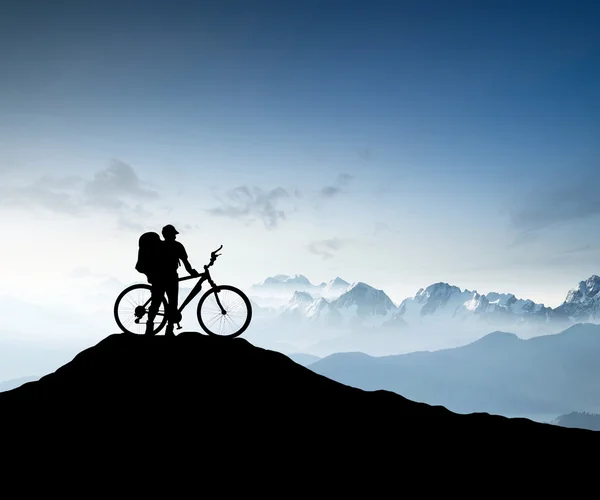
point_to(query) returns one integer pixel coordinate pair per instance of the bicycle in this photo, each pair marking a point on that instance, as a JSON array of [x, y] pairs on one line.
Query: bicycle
[[222, 315]]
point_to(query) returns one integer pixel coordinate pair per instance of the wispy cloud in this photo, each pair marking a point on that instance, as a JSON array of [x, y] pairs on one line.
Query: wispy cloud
[[365, 154], [337, 188], [58, 195], [250, 204], [326, 248], [383, 228], [115, 186], [128, 223], [523, 237], [116, 189], [579, 249], [560, 203]]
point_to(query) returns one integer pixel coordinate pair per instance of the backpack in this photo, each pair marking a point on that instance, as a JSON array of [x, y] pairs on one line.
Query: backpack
[[148, 246]]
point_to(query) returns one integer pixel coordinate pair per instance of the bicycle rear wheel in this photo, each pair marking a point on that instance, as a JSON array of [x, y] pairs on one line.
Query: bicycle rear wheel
[[237, 307], [131, 310]]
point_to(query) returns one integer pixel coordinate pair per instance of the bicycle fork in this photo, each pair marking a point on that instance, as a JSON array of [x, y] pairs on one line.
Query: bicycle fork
[[213, 284], [195, 291], [223, 311]]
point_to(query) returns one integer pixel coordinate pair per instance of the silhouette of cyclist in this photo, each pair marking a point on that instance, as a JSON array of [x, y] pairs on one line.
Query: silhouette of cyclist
[[166, 280]]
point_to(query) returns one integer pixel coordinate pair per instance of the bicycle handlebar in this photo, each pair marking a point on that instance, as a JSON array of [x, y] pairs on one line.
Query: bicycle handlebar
[[213, 257]]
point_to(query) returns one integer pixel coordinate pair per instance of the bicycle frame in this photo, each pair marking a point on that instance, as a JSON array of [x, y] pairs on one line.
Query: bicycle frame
[[205, 276]]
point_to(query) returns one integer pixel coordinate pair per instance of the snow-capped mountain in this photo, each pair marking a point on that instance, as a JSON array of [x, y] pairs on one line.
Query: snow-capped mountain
[[506, 304], [448, 302], [297, 306], [333, 288], [283, 283], [323, 312], [582, 302], [440, 316], [277, 290], [441, 299], [359, 305], [337, 303]]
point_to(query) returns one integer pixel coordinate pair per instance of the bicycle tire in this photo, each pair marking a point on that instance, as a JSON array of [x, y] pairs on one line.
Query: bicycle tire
[[121, 324], [240, 294]]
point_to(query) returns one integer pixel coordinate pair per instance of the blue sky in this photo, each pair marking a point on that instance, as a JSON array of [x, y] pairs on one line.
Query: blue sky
[[396, 143]]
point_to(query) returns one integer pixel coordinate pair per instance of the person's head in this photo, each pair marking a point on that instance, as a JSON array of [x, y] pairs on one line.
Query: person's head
[[169, 232]]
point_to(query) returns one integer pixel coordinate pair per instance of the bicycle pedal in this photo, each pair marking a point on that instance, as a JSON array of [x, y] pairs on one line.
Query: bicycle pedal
[[178, 326]]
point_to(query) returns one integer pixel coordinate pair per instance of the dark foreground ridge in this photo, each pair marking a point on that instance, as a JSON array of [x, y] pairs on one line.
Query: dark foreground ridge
[[205, 394]]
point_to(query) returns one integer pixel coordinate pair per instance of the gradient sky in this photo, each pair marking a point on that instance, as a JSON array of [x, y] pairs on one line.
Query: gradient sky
[[396, 143]]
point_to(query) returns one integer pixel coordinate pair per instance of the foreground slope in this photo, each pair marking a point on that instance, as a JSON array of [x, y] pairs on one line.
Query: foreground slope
[[196, 390]]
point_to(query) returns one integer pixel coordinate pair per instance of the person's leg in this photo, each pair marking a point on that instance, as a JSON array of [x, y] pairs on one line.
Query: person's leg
[[158, 292], [172, 290]]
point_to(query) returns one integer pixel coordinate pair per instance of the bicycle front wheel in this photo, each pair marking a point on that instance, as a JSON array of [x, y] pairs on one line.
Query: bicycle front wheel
[[131, 310], [224, 311]]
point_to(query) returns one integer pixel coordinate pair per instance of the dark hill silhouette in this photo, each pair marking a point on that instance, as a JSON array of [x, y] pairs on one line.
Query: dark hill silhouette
[[227, 401]]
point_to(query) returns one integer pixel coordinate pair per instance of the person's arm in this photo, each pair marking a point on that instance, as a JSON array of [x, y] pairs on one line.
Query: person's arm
[[186, 263], [188, 266]]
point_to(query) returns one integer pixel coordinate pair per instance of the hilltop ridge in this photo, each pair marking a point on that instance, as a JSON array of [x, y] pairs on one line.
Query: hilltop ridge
[[213, 394]]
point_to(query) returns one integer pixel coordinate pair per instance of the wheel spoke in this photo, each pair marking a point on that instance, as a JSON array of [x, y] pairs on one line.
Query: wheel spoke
[[230, 320], [234, 303], [216, 317], [125, 309]]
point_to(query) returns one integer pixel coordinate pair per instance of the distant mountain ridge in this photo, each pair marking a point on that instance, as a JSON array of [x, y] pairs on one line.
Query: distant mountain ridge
[[498, 373], [357, 304], [283, 284], [7, 385], [339, 303], [579, 420]]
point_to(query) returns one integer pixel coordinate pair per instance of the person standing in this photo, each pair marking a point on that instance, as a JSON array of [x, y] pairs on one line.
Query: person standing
[[173, 255]]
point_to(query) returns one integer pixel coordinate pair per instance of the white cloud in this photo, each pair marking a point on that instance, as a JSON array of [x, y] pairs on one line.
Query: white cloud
[[272, 207], [326, 248], [116, 189], [251, 203]]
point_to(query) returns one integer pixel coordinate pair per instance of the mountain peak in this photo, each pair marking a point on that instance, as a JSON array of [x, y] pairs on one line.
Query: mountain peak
[[278, 278], [497, 337], [366, 300], [337, 281], [440, 287], [585, 290], [334, 288], [298, 278], [358, 285], [441, 300], [284, 281], [300, 296]]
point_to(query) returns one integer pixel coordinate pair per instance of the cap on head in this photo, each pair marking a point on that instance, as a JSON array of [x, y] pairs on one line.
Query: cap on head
[[169, 229]]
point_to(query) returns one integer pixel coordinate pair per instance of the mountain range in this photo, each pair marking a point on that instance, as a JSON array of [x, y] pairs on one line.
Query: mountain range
[[7, 385], [283, 284], [357, 305], [500, 373], [579, 420]]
